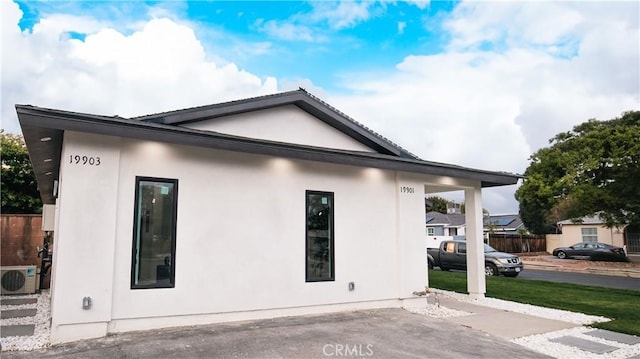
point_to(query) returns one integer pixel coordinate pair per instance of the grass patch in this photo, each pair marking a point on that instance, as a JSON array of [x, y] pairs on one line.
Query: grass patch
[[622, 306]]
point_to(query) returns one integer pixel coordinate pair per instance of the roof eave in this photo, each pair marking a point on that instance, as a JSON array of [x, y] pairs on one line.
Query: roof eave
[[38, 123]]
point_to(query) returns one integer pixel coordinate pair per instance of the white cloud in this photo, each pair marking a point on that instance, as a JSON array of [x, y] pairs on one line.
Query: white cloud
[[514, 23], [162, 66], [491, 109], [341, 14], [401, 26], [421, 4], [446, 108], [289, 31], [513, 75], [309, 27], [490, 105]]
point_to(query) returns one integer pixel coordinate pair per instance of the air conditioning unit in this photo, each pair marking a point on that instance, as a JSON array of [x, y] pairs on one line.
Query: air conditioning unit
[[18, 279]]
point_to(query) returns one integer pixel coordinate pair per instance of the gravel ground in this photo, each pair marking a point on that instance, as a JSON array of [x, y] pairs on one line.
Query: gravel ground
[[40, 337], [541, 344]]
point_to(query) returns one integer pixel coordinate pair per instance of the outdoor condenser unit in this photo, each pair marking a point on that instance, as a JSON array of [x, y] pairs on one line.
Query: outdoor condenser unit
[[18, 279]]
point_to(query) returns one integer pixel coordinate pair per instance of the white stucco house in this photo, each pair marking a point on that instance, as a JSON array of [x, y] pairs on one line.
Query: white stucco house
[[269, 206]]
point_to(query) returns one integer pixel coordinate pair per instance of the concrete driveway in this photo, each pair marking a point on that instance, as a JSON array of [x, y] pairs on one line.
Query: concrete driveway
[[383, 333]]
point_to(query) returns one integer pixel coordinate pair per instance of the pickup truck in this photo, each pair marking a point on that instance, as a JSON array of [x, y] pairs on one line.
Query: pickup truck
[[453, 255]]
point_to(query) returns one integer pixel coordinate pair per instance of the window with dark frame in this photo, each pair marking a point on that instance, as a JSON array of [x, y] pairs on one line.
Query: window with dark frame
[[319, 237], [154, 233]]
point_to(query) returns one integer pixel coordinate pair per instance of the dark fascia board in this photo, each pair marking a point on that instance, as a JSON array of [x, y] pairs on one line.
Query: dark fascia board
[[37, 122], [45, 157], [300, 98]]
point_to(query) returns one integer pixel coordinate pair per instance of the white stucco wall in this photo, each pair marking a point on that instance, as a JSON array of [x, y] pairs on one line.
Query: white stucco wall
[[240, 250], [85, 236], [241, 226], [287, 124], [412, 259]]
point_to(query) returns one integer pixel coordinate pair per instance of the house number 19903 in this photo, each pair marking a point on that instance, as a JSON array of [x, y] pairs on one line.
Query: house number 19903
[[84, 160], [404, 189]]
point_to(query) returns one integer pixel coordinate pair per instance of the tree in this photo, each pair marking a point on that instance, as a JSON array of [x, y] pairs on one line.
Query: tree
[[19, 188], [591, 170], [439, 204], [436, 204]]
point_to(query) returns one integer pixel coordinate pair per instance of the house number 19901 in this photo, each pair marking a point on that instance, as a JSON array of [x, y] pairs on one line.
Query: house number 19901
[[404, 189], [84, 160]]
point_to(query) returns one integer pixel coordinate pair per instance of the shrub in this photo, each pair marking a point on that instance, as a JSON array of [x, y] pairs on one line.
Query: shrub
[[608, 257]]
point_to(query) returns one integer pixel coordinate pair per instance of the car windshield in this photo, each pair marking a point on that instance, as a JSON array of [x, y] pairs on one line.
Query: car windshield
[[488, 249]]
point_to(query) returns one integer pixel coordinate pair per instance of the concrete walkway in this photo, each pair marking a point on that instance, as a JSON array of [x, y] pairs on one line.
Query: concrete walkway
[[502, 323], [8, 312], [556, 338]]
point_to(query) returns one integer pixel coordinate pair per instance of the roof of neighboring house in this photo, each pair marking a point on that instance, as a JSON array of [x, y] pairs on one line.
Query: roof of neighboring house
[[43, 131], [584, 220], [507, 222], [445, 220]]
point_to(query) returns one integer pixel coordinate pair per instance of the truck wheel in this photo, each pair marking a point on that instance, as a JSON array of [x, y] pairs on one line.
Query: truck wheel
[[429, 264], [443, 268], [490, 269]]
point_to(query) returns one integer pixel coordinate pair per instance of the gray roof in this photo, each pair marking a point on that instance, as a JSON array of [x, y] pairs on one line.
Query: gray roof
[[595, 219], [448, 220], [43, 131], [508, 222], [301, 98]]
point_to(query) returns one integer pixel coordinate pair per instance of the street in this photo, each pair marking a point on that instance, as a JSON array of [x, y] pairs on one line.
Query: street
[[607, 281]]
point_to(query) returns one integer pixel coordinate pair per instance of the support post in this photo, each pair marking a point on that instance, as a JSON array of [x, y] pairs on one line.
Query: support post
[[476, 283]]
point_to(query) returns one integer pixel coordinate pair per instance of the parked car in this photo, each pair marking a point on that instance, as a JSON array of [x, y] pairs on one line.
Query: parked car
[[453, 255], [586, 249]]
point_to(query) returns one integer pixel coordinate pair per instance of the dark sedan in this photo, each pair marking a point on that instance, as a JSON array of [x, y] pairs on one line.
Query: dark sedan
[[586, 249]]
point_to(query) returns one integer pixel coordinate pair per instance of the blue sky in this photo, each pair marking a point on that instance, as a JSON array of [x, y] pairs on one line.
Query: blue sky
[[479, 84], [297, 39]]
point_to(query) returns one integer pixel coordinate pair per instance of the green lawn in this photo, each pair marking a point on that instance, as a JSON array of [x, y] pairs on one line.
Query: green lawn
[[623, 306]]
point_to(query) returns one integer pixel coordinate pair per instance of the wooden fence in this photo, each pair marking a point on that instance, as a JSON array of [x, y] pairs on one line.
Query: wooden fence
[[21, 236], [516, 243]]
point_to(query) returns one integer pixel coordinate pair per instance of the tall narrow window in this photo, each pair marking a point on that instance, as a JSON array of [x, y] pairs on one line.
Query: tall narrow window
[[319, 241], [154, 233]]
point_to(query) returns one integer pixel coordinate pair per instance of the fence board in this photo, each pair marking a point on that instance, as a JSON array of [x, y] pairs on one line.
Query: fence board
[[21, 235], [516, 243]]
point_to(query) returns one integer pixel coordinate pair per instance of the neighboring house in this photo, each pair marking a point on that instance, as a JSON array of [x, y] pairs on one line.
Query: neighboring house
[[592, 229], [270, 206], [453, 224], [439, 224], [507, 224]]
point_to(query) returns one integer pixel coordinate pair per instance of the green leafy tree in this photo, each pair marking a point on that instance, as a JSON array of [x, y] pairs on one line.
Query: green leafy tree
[[436, 204], [593, 169], [19, 188]]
